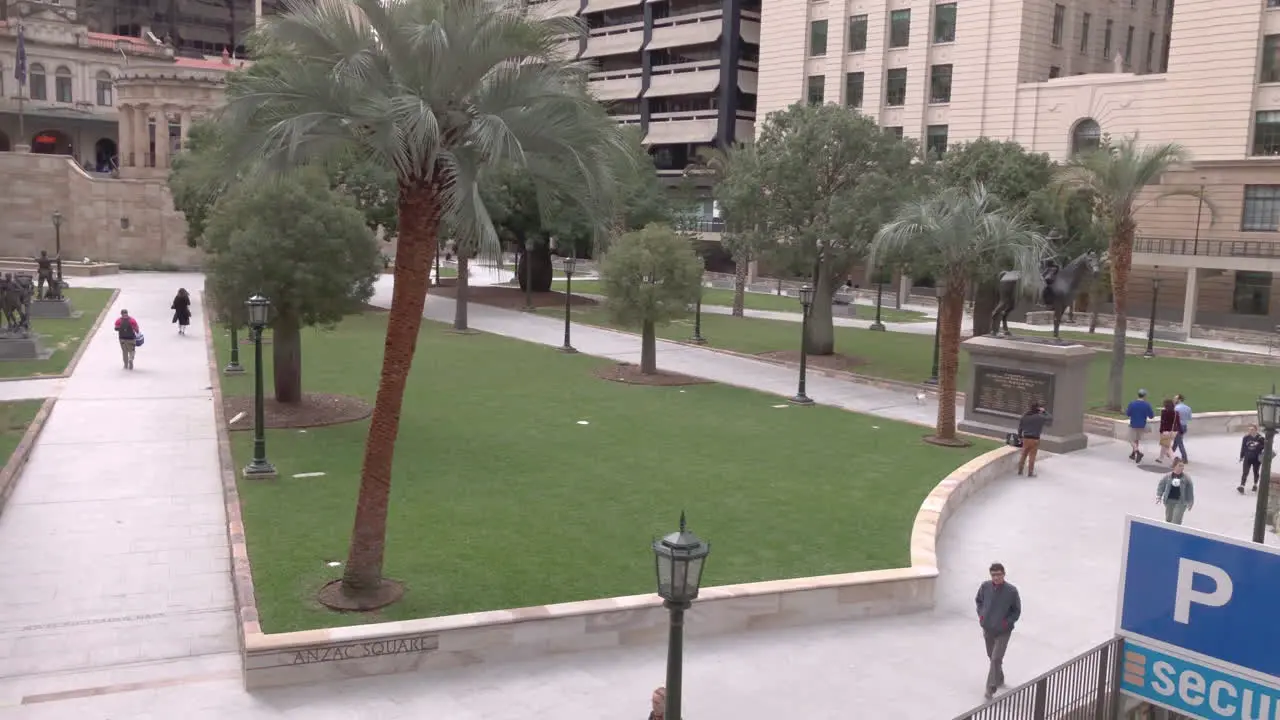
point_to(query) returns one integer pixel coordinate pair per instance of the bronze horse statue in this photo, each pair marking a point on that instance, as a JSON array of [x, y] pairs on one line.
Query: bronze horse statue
[[15, 302], [1060, 287]]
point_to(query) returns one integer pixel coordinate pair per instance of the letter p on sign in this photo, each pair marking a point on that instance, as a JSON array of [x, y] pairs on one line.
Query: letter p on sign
[[1187, 596]]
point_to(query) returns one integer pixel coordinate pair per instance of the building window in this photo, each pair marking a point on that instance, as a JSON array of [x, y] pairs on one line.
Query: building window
[[858, 33], [104, 88], [1266, 133], [944, 23], [1128, 46], [899, 28], [853, 84], [1059, 22], [1106, 41], [37, 85], [1151, 49], [895, 87], [62, 85], [935, 139], [1270, 54], [1252, 294], [894, 130], [1086, 136], [1084, 34], [1155, 7], [940, 84], [1273, 3], [1054, 72], [1261, 211], [1164, 53], [817, 38], [817, 89]]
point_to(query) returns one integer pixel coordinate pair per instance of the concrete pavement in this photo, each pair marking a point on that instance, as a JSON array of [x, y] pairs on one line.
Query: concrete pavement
[[1058, 534]]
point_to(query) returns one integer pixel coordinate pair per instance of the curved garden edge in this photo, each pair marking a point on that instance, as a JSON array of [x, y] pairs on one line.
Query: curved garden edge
[[13, 467]]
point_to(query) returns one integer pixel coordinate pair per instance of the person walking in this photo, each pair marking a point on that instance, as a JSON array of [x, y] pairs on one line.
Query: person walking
[[181, 308], [1176, 492], [658, 704], [1138, 412], [1184, 418], [127, 330], [1029, 429], [1251, 448], [999, 608], [1170, 428]]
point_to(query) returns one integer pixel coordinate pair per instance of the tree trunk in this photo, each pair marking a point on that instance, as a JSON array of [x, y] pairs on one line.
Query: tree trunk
[[986, 295], [461, 290], [543, 270], [950, 320], [1095, 302], [419, 210], [286, 358], [648, 348], [1121, 256], [822, 328], [740, 265]]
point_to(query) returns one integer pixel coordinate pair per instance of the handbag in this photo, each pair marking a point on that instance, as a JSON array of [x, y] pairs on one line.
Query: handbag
[[137, 341], [1013, 440], [1166, 439]]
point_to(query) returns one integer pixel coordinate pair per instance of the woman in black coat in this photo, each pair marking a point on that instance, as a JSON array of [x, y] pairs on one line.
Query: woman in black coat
[[181, 310]]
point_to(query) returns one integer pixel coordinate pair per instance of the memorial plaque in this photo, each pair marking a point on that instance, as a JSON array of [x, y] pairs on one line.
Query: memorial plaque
[[1008, 392]]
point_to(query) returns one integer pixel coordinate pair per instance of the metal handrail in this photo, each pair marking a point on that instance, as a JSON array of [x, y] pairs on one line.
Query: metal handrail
[[1086, 687], [1208, 247]]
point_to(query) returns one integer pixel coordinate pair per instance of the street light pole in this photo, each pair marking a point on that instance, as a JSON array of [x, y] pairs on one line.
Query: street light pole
[[1269, 419], [234, 367], [806, 302], [570, 264], [57, 250], [679, 559], [933, 371], [877, 325], [259, 467], [1151, 328], [697, 338]]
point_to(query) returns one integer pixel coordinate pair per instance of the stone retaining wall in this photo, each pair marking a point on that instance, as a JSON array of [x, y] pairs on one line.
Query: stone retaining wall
[[1232, 422]]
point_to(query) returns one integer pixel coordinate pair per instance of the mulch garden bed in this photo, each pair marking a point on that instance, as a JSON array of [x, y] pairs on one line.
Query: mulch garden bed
[[842, 363], [315, 410], [631, 375], [512, 298]]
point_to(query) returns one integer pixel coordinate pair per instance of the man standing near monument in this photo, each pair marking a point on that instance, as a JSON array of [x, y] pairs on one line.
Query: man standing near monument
[[1029, 429], [44, 274], [1138, 412], [999, 608]]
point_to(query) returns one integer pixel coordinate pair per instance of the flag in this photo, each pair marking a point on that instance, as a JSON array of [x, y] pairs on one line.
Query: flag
[[20, 68]]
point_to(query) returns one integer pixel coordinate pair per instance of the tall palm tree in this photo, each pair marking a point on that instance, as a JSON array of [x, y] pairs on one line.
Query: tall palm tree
[[437, 91], [1116, 177], [956, 235]]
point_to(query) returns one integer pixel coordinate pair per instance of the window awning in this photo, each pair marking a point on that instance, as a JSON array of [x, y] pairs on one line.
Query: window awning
[[685, 83], [748, 82], [601, 5], [698, 33], [620, 89], [620, 44], [677, 132]]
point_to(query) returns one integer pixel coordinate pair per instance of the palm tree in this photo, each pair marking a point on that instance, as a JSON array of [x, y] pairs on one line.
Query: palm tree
[[437, 92], [954, 236], [1115, 177]]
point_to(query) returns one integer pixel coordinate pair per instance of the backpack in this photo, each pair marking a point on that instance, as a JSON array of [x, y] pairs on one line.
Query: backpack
[[125, 329]]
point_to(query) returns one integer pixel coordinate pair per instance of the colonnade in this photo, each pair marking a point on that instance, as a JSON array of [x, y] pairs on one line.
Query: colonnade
[[136, 120]]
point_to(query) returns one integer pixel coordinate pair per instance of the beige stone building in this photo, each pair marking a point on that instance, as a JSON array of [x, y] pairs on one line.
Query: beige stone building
[[1055, 75]]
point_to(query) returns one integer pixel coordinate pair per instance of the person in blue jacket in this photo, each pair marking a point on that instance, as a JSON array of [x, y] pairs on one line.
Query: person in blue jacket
[[1138, 412]]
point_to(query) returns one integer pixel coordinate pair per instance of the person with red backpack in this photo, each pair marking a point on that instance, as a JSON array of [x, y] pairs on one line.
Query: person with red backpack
[[130, 337]]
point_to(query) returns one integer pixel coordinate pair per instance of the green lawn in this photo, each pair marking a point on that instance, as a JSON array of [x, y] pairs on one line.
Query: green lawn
[[908, 356], [14, 419], [503, 499], [62, 336], [764, 301]]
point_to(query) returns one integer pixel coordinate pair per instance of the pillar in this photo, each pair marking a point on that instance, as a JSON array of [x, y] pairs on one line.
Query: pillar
[[904, 291], [162, 138], [185, 122], [141, 135], [753, 271], [1189, 301], [124, 135]]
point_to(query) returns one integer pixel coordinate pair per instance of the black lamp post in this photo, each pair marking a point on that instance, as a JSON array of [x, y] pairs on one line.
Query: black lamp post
[[1151, 328], [259, 308], [1269, 419], [806, 302], [234, 367], [679, 558], [57, 250], [877, 325], [937, 328], [570, 263], [528, 277], [697, 338]]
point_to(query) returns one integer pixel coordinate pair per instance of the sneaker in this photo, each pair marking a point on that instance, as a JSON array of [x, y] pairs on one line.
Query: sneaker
[[1240, 489], [1019, 471], [1138, 459], [988, 694], [1031, 474], [1133, 454], [1255, 488]]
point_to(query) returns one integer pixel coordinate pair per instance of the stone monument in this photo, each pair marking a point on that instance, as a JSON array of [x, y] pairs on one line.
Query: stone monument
[[49, 300], [1006, 375], [17, 342]]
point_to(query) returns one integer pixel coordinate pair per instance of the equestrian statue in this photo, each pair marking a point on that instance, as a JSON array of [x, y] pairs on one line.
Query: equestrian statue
[[15, 303], [1059, 288]]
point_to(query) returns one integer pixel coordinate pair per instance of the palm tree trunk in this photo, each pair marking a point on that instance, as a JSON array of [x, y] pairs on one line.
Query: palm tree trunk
[[648, 348], [419, 210], [1121, 256], [740, 265], [461, 290], [951, 317]]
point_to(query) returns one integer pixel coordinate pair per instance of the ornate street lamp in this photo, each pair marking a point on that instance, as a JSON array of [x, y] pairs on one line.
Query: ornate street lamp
[[679, 559], [878, 325], [259, 309], [57, 250], [570, 263], [697, 338], [1151, 328], [806, 302], [1269, 419]]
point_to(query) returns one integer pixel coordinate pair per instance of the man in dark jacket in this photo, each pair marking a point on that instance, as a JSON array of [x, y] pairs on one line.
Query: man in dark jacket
[[1251, 449], [999, 608], [1029, 429]]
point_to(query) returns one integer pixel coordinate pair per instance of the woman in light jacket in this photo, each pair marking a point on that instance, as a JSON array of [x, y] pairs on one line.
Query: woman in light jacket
[[1176, 492]]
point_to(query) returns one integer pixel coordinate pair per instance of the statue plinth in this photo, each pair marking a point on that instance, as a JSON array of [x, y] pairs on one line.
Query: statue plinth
[[1007, 375], [22, 347], [59, 309]]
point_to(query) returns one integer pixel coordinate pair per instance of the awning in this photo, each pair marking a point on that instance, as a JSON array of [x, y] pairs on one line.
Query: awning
[[697, 33], [750, 31], [600, 5], [685, 83], [676, 132], [748, 82], [620, 44], [620, 89]]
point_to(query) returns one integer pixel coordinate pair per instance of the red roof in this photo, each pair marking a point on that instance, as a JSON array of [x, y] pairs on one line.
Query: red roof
[[206, 64]]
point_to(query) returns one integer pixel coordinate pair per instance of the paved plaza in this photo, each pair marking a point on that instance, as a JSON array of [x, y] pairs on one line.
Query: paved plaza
[[119, 597]]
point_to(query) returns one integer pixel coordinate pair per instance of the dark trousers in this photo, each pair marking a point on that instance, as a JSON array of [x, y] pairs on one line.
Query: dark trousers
[[1180, 446], [997, 644], [1256, 464]]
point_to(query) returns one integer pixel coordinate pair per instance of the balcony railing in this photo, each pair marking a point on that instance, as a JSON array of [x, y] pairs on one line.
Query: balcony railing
[[1086, 687], [700, 225], [1208, 248]]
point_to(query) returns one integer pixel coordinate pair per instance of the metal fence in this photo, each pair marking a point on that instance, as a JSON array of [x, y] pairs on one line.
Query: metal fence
[[1209, 248], [1086, 687]]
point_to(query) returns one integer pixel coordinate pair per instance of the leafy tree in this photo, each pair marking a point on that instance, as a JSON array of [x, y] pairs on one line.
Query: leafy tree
[[650, 277], [303, 246], [955, 236], [198, 178], [827, 180], [1115, 178], [373, 188], [733, 172], [436, 92]]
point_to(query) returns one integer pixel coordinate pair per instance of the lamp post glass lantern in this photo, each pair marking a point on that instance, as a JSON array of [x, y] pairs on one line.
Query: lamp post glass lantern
[[679, 559], [697, 338], [1269, 419], [570, 264], [806, 302], [259, 308], [1151, 321]]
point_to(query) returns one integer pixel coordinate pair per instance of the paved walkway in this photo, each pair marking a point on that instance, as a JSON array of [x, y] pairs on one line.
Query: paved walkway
[[1058, 534]]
